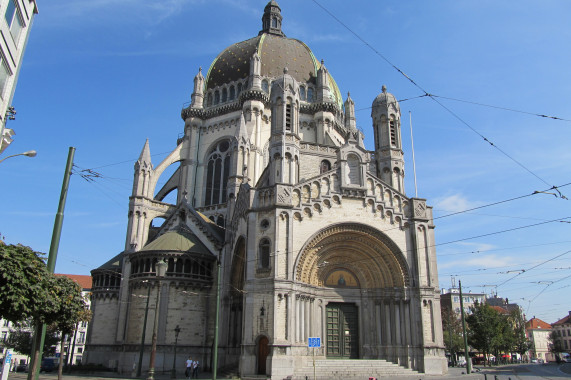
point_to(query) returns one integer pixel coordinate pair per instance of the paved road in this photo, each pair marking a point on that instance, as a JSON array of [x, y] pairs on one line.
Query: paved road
[[509, 372]]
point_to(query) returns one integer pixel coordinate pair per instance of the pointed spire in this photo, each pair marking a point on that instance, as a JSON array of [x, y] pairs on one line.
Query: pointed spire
[[350, 122], [255, 71], [198, 93], [145, 157], [272, 19], [323, 93]]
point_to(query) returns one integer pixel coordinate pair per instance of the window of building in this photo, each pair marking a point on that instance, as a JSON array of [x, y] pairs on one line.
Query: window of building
[[302, 93], [392, 131], [232, 93], [264, 253], [239, 89], [288, 115], [310, 94], [265, 86], [324, 167], [4, 336], [216, 97], [4, 75], [6, 323], [218, 170], [224, 95], [81, 338], [14, 20], [209, 100], [78, 360], [79, 350]]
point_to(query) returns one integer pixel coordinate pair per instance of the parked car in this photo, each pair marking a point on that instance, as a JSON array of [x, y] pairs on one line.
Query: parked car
[[49, 364]]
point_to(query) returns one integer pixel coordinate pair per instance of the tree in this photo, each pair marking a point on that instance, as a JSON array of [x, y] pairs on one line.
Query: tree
[[29, 291], [23, 290], [452, 329], [556, 344], [521, 344], [72, 309], [21, 340], [485, 327]]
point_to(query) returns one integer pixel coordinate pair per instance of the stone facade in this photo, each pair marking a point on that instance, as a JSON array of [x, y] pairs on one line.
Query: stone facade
[[313, 233]]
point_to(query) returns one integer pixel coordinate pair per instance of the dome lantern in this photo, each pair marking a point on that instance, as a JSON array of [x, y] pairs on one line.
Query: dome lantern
[[272, 19]]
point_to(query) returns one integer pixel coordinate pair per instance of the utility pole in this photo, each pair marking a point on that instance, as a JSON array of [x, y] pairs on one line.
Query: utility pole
[[466, 352], [40, 333]]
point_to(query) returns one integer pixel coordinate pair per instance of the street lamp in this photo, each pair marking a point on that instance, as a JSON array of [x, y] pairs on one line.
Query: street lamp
[[161, 267], [30, 153], [176, 332]]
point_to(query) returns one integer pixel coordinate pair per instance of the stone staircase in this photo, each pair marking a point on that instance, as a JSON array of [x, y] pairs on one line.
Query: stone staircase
[[351, 369]]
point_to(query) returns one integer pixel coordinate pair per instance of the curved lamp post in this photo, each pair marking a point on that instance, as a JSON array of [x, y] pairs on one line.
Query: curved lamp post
[[161, 267], [176, 332], [30, 153]]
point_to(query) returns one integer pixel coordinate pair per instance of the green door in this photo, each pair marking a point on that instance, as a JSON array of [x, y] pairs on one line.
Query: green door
[[342, 331]]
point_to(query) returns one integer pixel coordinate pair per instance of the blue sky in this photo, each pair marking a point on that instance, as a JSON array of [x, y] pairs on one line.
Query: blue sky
[[104, 75]]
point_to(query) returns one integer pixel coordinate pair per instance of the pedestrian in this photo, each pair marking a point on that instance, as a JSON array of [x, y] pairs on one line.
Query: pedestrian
[[188, 370], [195, 365]]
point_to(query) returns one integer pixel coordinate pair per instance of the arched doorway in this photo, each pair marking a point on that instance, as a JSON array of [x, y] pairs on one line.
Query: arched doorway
[[263, 351]]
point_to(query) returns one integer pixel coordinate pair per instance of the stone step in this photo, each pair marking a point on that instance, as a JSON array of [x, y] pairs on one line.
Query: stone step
[[351, 369]]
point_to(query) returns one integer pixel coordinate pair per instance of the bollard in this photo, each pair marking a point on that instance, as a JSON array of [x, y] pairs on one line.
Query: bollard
[[495, 377], [485, 376]]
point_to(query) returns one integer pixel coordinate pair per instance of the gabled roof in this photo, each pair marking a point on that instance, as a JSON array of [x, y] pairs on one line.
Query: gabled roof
[[536, 323], [563, 320], [500, 309], [115, 264], [179, 239], [82, 280]]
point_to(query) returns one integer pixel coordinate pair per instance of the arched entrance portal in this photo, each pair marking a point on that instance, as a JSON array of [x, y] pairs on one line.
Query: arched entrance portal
[[263, 351], [362, 279]]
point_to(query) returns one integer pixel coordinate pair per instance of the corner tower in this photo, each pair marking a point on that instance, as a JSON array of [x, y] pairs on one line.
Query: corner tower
[[388, 143]]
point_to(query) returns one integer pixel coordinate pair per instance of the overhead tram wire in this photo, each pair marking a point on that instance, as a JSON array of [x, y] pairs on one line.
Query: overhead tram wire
[[478, 104], [429, 94]]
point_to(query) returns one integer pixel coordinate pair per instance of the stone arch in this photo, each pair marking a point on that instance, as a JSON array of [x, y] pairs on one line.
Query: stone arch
[[376, 260]]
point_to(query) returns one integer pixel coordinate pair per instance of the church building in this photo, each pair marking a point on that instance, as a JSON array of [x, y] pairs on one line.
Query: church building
[[285, 220]]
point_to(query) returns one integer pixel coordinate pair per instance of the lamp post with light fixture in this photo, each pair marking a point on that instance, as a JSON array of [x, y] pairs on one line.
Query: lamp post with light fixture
[[176, 332], [30, 153], [161, 267]]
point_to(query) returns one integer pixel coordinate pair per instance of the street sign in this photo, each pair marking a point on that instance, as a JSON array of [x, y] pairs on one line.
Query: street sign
[[314, 342]]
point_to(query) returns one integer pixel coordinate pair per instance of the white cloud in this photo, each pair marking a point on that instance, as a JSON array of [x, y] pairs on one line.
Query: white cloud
[[454, 203]]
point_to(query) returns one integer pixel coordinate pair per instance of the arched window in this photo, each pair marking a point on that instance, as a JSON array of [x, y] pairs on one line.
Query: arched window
[[239, 88], [353, 170], [324, 167], [209, 100], [220, 221], [218, 171], [264, 253], [224, 95], [302, 93], [392, 131], [232, 93], [274, 22], [216, 97], [289, 115], [310, 94], [265, 86]]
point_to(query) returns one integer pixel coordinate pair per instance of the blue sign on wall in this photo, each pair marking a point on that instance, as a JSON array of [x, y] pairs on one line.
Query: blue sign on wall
[[314, 342]]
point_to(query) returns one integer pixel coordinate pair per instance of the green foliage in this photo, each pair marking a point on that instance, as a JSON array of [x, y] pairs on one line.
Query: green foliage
[[496, 333], [29, 291], [556, 343], [484, 328], [452, 329], [23, 293], [21, 340]]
